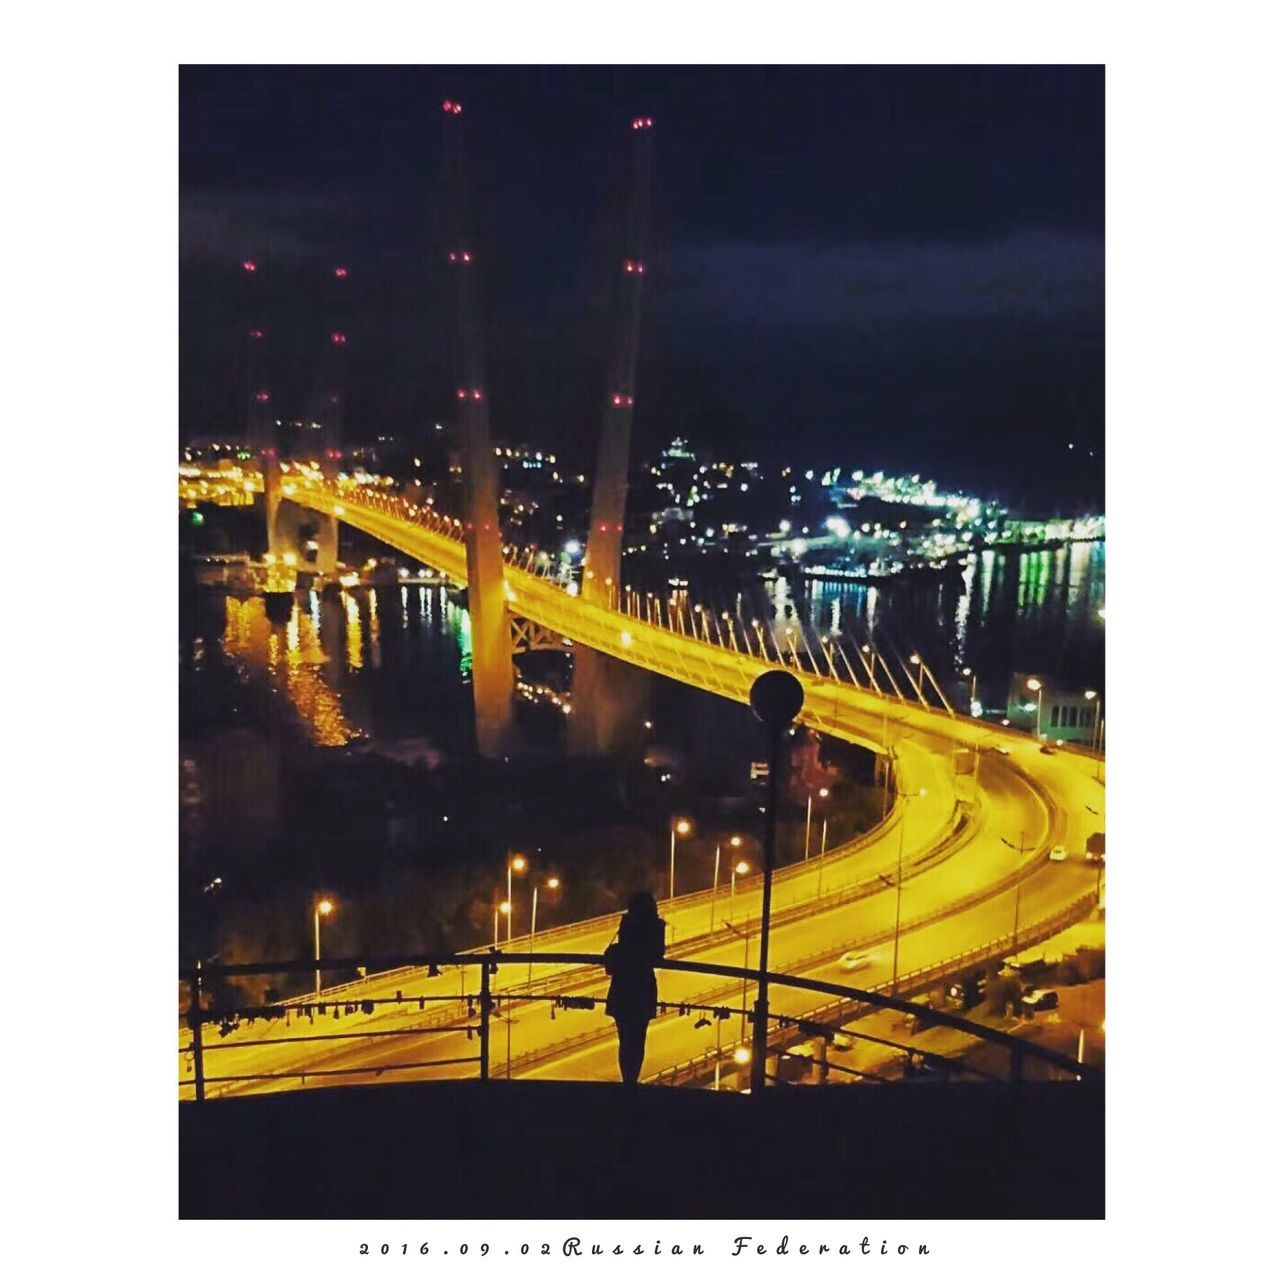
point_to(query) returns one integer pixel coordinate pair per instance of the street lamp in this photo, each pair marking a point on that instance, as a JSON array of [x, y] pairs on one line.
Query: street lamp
[[520, 864], [823, 793], [1017, 892], [681, 827], [897, 915], [323, 908], [973, 686], [1038, 689], [739, 869], [917, 662], [822, 854], [735, 842], [1090, 695], [503, 909], [871, 667], [745, 935], [552, 884]]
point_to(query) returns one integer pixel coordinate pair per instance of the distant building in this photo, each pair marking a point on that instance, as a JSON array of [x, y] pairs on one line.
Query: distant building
[[1065, 714]]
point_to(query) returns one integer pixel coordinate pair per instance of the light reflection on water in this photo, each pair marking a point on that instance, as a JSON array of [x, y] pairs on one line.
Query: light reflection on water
[[292, 658], [1002, 612], [350, 667], [346, 676]]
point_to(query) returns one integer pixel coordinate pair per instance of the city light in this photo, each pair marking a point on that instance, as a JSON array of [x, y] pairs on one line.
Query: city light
[[389, 691]]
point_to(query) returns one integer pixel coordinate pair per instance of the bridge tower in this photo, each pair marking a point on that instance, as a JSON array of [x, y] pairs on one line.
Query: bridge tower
[[607, 694], [331, 411], [491, 669], [257, 429], [308, 537]]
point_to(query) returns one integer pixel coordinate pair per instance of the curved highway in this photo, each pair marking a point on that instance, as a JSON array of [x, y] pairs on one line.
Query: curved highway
[[957, 892]]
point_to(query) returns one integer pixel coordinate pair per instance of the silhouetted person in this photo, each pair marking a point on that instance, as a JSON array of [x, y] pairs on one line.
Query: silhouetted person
[[633, 993]]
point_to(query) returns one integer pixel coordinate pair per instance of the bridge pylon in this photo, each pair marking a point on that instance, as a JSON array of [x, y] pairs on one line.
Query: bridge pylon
[[607, 695], [307, 537], [492, 681]]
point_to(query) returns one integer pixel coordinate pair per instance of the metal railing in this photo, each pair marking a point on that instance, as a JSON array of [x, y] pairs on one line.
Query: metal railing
[[483, 1006]]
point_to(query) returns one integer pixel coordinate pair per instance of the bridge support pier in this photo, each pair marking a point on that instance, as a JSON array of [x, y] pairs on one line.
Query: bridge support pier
[[309, 536], [610, 704]]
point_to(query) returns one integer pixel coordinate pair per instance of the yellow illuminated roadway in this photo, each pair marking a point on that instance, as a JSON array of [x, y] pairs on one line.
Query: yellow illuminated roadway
[[956, 834]]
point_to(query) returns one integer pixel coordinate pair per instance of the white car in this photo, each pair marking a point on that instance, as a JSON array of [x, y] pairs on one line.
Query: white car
[[852, 961], [1058, 853]]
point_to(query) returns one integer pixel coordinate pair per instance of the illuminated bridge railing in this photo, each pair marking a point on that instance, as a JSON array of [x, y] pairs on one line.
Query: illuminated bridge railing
[[724, 659], [720, 652], [717, 651], [306, 1041]]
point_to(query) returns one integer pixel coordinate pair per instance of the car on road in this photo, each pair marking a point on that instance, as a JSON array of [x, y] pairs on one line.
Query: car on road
[[969, 991], [1058, 853], [852, 961], [1040, 1000], [796, 1062]]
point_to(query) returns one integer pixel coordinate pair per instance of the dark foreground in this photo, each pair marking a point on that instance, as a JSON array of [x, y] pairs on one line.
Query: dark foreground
[[567, 1150]]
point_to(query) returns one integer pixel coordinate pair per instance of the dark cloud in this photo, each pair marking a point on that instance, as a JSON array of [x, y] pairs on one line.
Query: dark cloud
[[916, 252], [1023, 274]]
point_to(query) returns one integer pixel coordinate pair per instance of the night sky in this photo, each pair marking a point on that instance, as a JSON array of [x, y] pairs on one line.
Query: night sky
[[898, 267]]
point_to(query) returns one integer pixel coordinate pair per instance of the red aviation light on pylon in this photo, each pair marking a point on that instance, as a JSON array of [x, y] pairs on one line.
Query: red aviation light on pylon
[[335, 399], [255, 333], [262, 397], [470, 393], [451, 108], [249, 265], [642, 122], [338, 339], [623, 402], [459, 255], [477, 394], [632, 267], [340, 272]]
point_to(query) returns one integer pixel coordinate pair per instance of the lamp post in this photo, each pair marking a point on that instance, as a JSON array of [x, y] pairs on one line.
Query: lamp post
[[502, 909], [1038, 689], [322, 908], [1017, 892], [552, 884], [680, 827], [735, 842], [745, 935], [973, 686], [520, 864], [1091, 695], [916, 661], [822, 856], [776, 699], [897, 914], [739, 869], [823, 793]]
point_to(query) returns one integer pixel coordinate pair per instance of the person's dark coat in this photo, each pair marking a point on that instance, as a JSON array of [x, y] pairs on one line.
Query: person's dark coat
[[633, 992]]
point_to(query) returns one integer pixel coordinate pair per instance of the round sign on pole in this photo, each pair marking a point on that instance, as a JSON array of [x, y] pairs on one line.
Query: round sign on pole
[[776, 699]]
